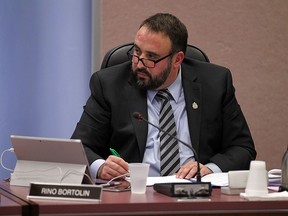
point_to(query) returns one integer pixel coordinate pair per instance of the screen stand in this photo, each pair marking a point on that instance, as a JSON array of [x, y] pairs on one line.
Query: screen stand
[[26, 172]]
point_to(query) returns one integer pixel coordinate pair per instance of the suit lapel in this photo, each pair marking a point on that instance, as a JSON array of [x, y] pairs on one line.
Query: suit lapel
[[193, 99], [137, 102]]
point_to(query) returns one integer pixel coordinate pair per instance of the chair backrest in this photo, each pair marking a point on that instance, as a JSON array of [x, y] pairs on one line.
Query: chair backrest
[[118, 55]]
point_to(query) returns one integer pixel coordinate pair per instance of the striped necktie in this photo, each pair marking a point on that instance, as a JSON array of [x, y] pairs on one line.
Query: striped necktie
[[169, 150]]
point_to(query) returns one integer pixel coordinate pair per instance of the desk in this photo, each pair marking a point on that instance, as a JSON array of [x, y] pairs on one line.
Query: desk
[[11, 205], [152, 203]]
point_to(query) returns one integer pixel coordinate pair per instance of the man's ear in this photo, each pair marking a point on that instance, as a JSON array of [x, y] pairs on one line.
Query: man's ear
[[179, 58]]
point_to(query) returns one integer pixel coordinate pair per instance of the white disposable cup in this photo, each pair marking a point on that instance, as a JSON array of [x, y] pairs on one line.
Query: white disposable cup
[[257, 182], [138, 177]]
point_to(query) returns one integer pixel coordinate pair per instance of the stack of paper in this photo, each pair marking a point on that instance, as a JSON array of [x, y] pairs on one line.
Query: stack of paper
[[274, 177], [216, 179]]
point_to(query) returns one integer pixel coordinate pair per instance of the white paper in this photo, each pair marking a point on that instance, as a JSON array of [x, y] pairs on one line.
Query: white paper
[[216, 179], [270, 196], [221, 179], [165, 179]]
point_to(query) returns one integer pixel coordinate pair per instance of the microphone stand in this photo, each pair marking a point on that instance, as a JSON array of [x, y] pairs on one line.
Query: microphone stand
[[138, 116], [180, 189]]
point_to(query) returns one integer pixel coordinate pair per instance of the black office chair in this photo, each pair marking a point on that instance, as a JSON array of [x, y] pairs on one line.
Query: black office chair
[[118, 55]]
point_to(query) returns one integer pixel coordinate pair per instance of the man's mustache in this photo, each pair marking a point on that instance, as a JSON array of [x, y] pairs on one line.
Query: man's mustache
[[143, 71]]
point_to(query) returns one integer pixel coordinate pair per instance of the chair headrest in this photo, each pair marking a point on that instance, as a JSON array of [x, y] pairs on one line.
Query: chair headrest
[[118, 55]]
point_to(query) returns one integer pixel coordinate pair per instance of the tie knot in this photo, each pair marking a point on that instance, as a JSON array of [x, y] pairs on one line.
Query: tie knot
[[164, 94]]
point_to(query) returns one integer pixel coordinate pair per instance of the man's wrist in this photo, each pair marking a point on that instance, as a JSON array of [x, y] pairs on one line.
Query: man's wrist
[[98, 175], [95, 166], [214, 168]]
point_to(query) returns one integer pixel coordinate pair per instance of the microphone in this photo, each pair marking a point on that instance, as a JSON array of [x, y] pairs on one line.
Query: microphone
[[187, 189], [139, 117]]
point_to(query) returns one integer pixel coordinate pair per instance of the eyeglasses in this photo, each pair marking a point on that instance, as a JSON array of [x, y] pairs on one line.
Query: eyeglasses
[[149, 63]]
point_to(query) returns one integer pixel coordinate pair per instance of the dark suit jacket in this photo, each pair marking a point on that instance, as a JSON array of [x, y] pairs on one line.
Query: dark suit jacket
[[218, 129]]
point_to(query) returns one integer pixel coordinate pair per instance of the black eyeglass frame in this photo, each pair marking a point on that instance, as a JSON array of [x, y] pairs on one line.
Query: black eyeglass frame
[[130, 57]]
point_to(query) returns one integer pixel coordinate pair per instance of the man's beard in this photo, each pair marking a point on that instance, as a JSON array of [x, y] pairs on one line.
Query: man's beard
[[151, 83]]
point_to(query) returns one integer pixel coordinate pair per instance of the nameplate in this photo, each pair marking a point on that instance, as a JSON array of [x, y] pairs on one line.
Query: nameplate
[[65, 192]]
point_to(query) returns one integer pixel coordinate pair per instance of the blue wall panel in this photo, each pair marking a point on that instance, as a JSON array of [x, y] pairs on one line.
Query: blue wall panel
[[45, 66]]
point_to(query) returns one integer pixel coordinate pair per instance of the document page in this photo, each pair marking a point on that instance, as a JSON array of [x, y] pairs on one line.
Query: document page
[[216, 179]]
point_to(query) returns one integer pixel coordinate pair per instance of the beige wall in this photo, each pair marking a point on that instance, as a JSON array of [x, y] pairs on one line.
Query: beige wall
[[248, 36]]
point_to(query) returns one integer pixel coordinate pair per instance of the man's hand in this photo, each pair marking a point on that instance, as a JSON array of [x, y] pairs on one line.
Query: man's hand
[[189, 170], [114, 166]]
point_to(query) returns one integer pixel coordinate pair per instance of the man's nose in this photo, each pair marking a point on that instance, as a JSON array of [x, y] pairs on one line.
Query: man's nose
[[140, 64]]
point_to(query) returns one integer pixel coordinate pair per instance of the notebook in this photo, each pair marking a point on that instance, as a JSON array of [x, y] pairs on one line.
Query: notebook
[[49, 160]]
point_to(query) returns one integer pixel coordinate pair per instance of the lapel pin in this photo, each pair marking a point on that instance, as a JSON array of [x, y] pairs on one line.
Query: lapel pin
[[194, 105]]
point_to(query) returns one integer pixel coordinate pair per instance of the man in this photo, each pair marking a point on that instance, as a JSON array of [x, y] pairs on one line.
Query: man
[[205, 110]]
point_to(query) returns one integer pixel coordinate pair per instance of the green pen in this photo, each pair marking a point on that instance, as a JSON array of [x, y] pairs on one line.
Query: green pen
[[114, 152]]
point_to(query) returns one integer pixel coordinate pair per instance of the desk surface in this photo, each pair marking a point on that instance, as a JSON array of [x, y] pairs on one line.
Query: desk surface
[[11, 205], [152, 203]]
